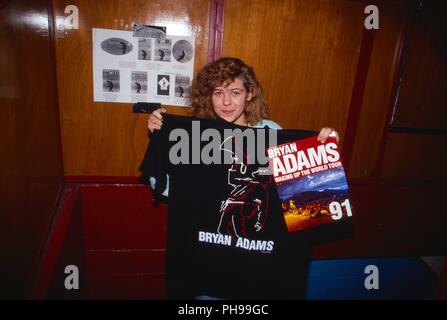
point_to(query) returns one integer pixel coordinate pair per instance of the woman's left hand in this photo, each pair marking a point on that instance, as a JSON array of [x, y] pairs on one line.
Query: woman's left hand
[[325, 133]]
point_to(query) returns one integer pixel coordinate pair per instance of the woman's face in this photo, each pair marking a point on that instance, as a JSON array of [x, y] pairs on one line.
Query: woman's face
[[229, 101]]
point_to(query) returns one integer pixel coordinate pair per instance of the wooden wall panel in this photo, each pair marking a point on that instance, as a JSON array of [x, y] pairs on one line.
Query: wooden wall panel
[[304, 52], [30, 163], [392, 220], [106, 139], [415, 157], [378, 152], [376, 101], [422, 99]]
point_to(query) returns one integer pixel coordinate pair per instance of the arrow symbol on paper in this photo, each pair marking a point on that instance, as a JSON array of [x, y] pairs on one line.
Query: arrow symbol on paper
[[164, 83]]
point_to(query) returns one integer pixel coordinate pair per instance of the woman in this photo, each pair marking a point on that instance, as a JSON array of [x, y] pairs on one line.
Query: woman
[[227, 88]]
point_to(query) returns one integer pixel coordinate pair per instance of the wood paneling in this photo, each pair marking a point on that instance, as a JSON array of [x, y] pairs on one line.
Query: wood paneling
[[422, 99], [379, 152], [392, 220], [30, 161], [378, 91], [304, 53], [415, 157], [106, 139]]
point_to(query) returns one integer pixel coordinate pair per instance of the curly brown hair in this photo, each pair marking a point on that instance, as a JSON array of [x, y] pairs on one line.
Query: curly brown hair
[[222, 72]]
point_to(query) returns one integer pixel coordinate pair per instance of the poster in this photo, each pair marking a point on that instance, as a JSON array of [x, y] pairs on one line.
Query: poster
[[311, 183], [145, 65]]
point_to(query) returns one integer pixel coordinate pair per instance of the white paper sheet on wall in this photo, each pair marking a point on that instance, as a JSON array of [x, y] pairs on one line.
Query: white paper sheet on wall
[[135, 69]]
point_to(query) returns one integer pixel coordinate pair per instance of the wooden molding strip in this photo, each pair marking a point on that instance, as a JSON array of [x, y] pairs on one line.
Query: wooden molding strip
[[216, 29], [358, 92]]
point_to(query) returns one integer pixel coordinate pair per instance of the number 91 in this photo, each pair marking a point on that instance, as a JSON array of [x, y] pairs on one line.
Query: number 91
[[336, 209]]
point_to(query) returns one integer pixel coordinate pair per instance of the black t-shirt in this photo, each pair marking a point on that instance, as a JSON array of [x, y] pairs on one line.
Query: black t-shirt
[[226, 232]]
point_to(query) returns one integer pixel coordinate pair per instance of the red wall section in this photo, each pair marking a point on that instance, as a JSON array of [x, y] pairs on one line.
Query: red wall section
[[124, 242], [63, 247]]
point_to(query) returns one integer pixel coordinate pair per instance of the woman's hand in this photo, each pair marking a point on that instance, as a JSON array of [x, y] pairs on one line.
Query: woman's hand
[[155, 120], [325, 133]]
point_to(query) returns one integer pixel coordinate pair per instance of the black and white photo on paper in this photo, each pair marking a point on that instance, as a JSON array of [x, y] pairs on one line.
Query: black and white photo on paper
[[182, 86], [163, 84], [142, 66], [110, 80], [147, 31], [116, 46], [162, 50], [139, 82], [144, 48], [182, 51]]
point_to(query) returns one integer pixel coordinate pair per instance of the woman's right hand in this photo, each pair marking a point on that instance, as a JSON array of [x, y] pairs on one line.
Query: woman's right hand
[[155, 120]]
